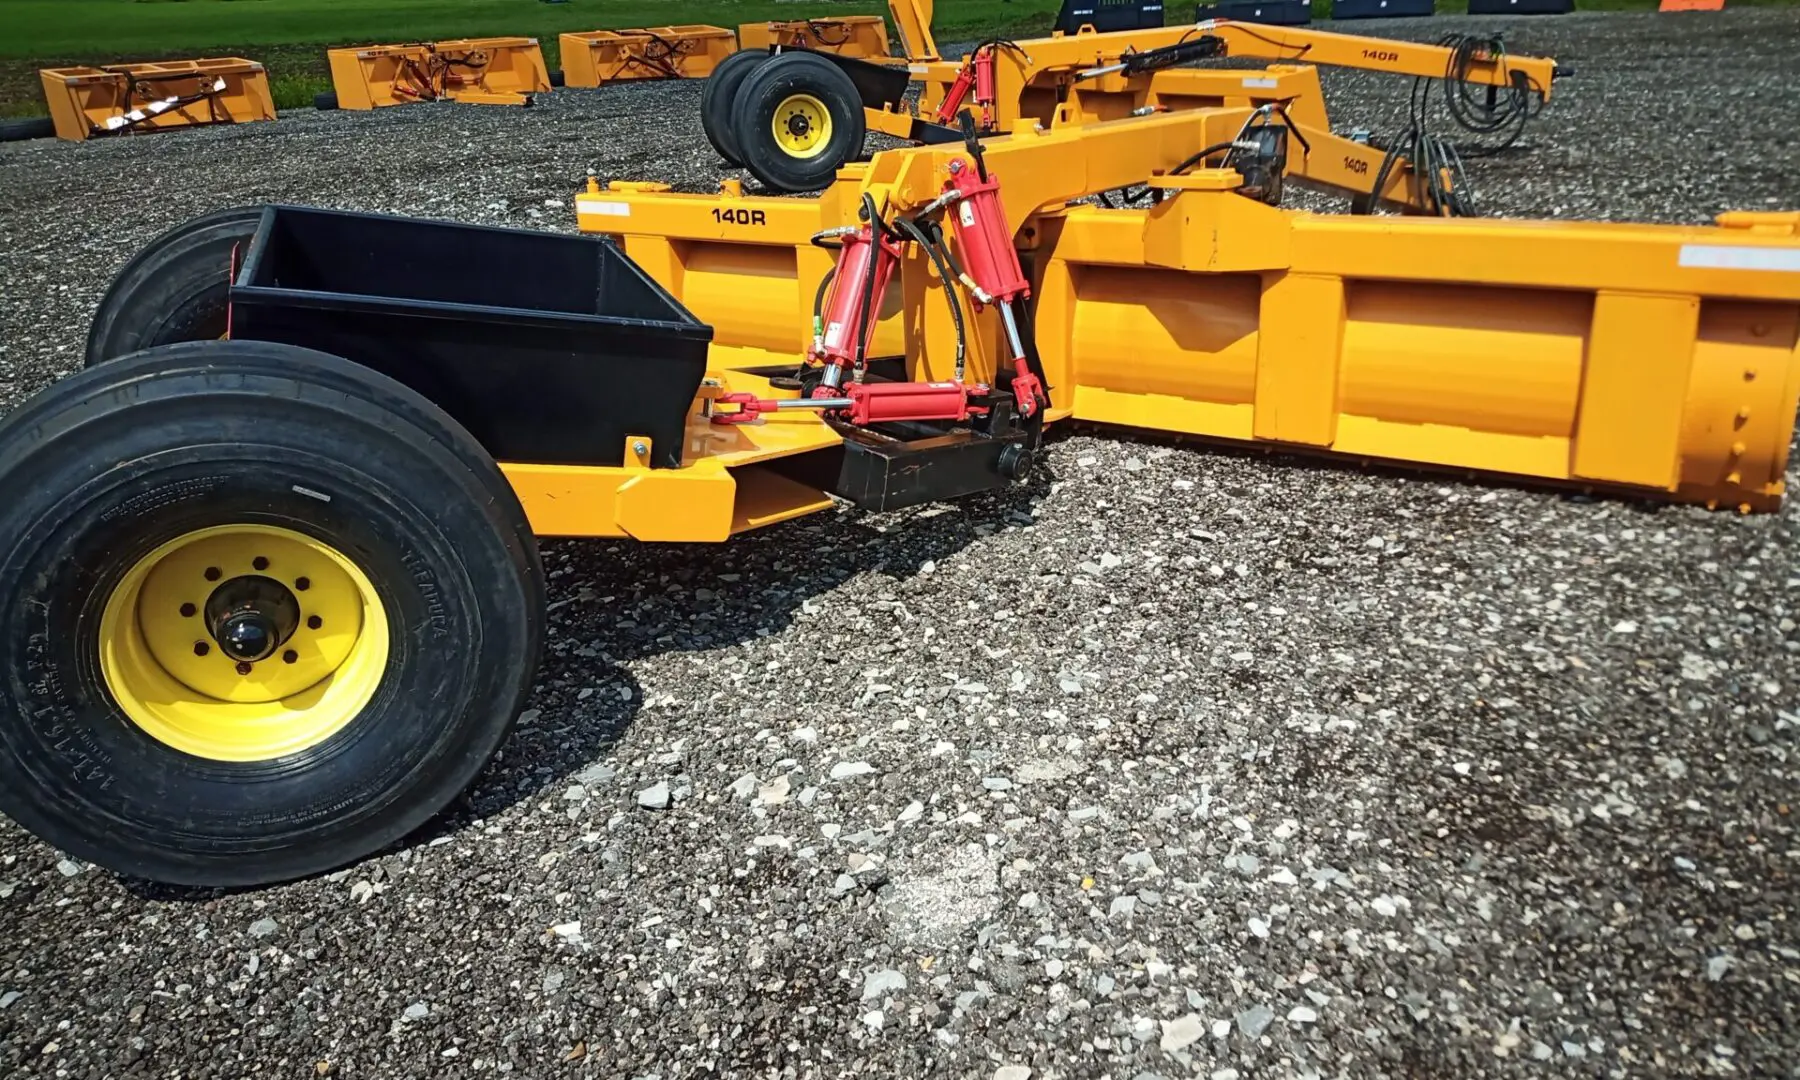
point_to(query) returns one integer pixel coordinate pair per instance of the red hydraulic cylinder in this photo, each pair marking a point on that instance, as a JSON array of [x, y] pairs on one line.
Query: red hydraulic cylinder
[[983, 237], [992, 263], [953, 97], [846, 319], [984, 85], [865, 403]]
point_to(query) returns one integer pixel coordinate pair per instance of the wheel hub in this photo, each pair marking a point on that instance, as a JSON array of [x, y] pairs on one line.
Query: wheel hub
[[251, 616]]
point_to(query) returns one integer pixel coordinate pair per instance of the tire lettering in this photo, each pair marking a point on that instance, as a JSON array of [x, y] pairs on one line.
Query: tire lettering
[[437, 621]]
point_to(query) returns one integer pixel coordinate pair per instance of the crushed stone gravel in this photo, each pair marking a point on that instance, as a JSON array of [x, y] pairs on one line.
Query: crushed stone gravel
[[1306, 771]]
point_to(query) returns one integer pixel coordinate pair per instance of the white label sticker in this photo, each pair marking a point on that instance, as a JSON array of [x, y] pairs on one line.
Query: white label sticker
[[967, 214], [1260, 84], [834, 333], [1721, 257], [605, 209]]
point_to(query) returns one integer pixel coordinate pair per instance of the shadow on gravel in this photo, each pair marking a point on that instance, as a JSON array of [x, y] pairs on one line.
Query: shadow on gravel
[[613, 603], [1324, 462]]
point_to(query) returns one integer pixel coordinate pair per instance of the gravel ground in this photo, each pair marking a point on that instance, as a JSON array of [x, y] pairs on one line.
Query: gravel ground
[[1176, 763]]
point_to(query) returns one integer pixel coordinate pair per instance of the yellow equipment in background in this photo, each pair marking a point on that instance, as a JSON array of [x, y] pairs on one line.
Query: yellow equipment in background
[[863, 37], [483, 71], [659, 52], [116, 99]]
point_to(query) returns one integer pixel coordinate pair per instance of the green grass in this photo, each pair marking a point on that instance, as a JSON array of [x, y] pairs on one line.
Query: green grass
[[290, 36], [71, 27]]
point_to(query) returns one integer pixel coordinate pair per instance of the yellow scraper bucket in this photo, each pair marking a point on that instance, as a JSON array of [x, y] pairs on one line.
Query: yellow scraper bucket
[[861, 36], [485, 71], [657, 52], [118, 99]]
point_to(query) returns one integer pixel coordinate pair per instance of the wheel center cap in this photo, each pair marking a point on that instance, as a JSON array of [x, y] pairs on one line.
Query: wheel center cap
[[797, 125], [251, 616]]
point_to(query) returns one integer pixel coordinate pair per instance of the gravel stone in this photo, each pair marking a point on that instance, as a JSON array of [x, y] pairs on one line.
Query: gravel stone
[[1255, 1020], [881, 983], [1573, 652], [655, 797], [1181, 1032]]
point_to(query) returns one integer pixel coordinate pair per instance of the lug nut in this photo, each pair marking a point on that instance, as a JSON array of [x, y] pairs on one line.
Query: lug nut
[[201, 648], [212, 573], [313, 622], [259, 563], [188, 610]]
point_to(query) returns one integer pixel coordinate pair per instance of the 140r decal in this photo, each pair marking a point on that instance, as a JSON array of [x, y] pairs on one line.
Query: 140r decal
[[738, 216]]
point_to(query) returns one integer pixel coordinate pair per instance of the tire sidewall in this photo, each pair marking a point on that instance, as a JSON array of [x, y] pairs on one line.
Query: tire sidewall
[[176, 289], [718, 96]]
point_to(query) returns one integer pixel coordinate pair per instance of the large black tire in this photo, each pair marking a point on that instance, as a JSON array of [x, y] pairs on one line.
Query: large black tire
[[175, 289], [121, 458], [326, 101], [36, 127], [719, 94], [769, 93]]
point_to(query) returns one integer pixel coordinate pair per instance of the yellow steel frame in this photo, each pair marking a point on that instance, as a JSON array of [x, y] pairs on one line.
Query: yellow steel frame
[[598, 57], [1043, 84], [859, 36], [377, 76], [1660, 360]]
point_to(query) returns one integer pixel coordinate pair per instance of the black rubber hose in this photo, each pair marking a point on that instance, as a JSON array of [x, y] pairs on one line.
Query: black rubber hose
[[1201, 156], [924, 240], [867, 329], [819, 297]]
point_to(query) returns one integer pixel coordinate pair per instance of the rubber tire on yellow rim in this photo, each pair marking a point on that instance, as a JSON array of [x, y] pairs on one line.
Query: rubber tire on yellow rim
[[128, 457], [718, 97], [175, 288], [794, 84]]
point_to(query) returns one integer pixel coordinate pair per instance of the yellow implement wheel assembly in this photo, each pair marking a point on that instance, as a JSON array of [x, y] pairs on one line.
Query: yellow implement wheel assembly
[[263, 612], [797, 118]]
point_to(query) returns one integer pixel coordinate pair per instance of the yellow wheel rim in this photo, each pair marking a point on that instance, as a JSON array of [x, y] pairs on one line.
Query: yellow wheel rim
[[172, 673], [802, 126]]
